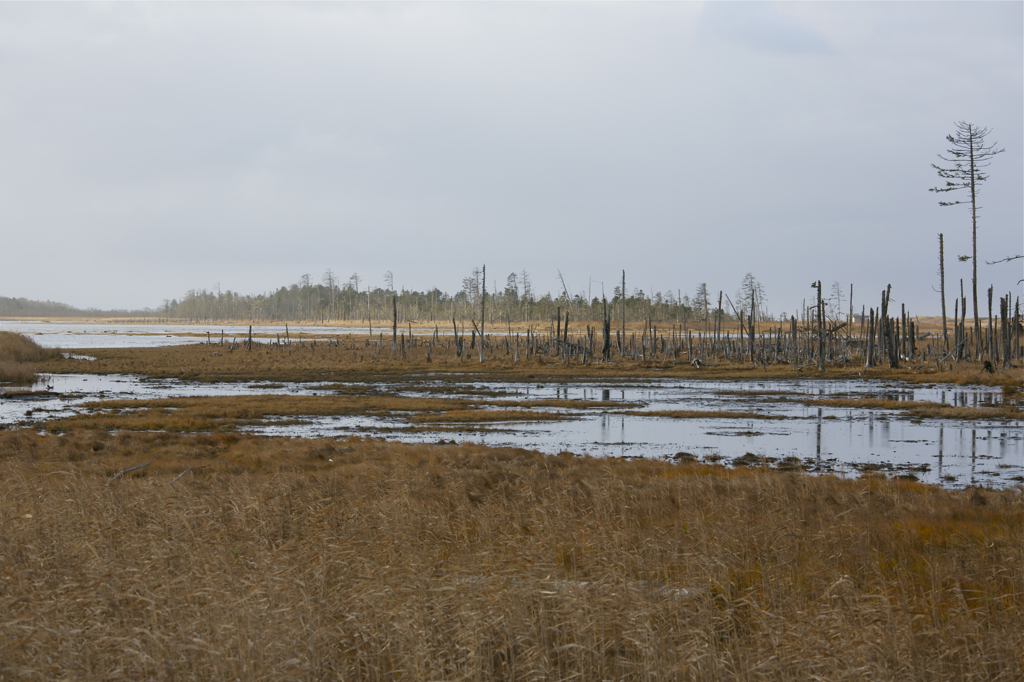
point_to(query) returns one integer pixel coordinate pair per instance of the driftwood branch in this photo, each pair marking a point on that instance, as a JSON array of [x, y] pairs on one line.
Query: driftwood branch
[[181, 474], [125, 471]]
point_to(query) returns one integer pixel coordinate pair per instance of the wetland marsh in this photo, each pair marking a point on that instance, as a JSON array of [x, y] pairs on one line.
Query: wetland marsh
[[204, 510], [816, 425], [915, 424]]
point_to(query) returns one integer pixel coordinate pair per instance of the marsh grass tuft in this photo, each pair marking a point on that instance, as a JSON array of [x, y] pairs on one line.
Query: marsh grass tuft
[[17, 355], [922, 408]]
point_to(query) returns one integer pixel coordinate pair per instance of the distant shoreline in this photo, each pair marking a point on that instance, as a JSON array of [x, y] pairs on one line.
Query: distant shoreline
[[929, 323]]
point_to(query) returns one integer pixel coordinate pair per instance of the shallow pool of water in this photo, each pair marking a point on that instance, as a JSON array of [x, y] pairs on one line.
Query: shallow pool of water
[[946, 451], [64, 334]]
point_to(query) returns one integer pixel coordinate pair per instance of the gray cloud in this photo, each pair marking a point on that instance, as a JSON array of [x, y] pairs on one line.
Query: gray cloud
[[149, 149], [761, 26]]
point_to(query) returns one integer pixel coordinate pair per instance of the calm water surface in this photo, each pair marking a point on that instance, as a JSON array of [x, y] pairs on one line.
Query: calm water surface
[[60, 334], [950, 452]]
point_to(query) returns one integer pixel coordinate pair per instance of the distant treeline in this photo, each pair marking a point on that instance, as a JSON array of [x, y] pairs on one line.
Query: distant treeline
[[23, 307], [351, 300], [332, 300]]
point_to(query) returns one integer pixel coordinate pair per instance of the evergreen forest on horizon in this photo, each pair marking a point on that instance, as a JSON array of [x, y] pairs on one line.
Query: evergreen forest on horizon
[[332, 300]]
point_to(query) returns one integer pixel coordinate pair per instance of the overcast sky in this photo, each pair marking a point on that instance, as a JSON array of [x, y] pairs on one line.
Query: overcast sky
[[148, 149]]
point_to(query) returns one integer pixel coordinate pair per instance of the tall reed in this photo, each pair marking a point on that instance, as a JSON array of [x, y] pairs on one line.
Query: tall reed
[[17, 353], [359, 559]]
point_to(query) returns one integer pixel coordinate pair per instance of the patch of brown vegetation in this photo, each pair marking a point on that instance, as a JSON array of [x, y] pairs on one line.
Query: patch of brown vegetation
[[482, 416], [228, 412], [268, 560], [321, 362], [18, 353], [699, 414], [219, 413], [923, 408]]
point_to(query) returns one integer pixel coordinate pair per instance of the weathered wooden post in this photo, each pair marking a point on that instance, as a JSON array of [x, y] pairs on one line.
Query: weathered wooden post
[[751, 331], [956, 329], [483, 309], [623, 312], [1016, 328], [455, 331], [1004, 315], [942, 293], [606, 341], [849, 320], [558, 325], [821, 329], [891, 340], [869, 353], [990, 343], [883, 326], [793, 347], [894, 346], [904, 341], [718, 320]]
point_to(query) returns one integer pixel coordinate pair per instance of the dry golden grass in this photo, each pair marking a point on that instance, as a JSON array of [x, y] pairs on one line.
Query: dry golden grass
[[323, 363], [16, 373], [923, 408], [483, 416], [20, 348], [699, 414], [219, 413], [357, 559], [269, 561], [228, 412], [17, 355]]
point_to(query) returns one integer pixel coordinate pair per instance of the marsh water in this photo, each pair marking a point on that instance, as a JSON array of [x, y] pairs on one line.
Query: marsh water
[[62, 334], [844, 440], [848, 441]]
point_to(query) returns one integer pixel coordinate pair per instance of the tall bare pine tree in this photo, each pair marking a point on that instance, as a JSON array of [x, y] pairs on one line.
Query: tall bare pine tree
[[963, 169]]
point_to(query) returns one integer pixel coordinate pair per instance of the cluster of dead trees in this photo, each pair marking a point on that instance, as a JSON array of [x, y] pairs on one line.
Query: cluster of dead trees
[[880, 338]]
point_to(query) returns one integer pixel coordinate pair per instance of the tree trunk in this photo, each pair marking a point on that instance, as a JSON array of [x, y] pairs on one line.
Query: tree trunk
[[990, 343], [483, 309], [942, 293], [623, 310], [974, 242], [751, 332], [821, 332], [869, 353], [606, 344]]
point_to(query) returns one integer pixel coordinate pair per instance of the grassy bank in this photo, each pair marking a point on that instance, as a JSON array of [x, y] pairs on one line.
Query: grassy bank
[[353, 559], [220, 413], [355, 361], [923, 409], [228, 413], [19, 356]]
